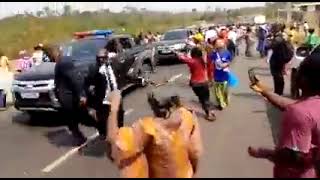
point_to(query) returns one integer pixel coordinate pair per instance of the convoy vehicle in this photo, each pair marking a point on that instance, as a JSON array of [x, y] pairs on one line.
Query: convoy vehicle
[[34, 90], [173, 40]]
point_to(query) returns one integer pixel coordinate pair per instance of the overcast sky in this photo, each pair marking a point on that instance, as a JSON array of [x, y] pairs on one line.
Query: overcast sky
[[9, 8]]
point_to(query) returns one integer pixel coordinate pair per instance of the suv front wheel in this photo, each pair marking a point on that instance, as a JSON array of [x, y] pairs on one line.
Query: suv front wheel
[[144, 74]]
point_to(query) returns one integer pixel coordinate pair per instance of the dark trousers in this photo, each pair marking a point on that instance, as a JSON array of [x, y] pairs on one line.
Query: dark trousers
[[75, 115], [278, 79], [102, 118], [293, 88], [203, 93], [248, 50]]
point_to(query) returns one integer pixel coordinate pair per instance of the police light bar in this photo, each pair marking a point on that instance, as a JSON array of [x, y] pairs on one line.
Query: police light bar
[[93, 33]]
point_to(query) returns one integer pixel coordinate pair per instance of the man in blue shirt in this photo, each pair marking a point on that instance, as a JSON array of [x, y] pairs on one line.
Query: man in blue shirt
[[221, 58]]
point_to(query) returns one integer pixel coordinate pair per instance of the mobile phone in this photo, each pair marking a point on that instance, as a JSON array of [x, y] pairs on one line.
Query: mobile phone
[[252, 76]]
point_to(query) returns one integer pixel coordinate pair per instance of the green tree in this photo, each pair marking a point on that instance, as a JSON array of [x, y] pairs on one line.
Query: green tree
[[67, 10], [47, 11]]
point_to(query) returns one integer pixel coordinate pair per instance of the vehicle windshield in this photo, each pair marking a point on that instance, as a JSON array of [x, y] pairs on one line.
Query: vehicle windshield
[[175, 35], [85, 49]]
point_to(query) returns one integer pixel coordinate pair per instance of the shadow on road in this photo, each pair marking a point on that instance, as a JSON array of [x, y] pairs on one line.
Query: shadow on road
[[61, 138], [247, 95], [45, 119], [95, 148], [274, 117]]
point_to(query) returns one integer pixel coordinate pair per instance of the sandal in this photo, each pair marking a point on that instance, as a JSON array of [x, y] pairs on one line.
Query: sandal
[[211, 116]]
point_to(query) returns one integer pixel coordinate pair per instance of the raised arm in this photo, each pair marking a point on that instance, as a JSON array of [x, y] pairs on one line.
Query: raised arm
[[184, 58], [275, 99]]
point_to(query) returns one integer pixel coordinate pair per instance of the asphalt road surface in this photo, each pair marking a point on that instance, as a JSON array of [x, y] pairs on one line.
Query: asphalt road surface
[[42, 146]]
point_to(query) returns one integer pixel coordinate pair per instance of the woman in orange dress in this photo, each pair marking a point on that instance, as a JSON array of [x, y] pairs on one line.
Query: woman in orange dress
[[165, 146]]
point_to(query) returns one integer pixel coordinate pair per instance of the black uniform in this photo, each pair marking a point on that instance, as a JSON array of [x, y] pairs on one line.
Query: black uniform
[[278, 60], [96, 84], [68, 87]]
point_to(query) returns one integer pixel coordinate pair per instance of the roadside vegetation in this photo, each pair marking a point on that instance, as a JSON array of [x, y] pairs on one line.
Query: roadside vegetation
[[25, 30]]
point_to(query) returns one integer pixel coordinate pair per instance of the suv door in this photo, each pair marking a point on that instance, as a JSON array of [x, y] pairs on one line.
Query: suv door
[[129, 53], [117, 61]]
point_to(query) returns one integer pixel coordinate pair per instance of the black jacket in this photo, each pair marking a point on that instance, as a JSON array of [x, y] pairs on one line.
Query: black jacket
[[68, 83], [96, 84]]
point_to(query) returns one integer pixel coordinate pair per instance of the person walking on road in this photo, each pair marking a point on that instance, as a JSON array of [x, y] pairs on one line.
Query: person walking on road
[[248, 41], [68, 87], [199, 79], [98, 84], [297, 154], [221, 59], [166, 145], [232, 41], [282, 53], [262, 36]]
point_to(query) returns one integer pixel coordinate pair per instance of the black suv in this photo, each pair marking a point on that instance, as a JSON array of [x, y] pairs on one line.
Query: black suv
[[34, 90], [173, 40]]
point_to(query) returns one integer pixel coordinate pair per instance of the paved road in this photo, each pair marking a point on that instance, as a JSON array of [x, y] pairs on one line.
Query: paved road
[[30, 146]]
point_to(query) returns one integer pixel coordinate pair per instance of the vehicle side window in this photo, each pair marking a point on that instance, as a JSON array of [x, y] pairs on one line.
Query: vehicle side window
[[112, 46], [125, 42]]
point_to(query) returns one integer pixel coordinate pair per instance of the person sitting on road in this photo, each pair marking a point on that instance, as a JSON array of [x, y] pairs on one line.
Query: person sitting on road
[[166, 145], [199, 79], [297, 154], [25, 62]]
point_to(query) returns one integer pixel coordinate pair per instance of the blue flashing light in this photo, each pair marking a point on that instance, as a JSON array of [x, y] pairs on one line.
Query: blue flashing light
[[102, 32]]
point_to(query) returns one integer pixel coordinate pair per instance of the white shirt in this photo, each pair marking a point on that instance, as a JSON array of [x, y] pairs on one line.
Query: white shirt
[[37, 57], [210, 34], [306, 26], [111, 79], [233, 36]]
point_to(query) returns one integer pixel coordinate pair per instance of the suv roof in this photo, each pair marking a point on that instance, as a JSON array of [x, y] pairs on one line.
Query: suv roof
[[173, 30], [108, 37]]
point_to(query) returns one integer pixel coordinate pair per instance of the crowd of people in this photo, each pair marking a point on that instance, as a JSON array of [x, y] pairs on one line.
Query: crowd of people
[[26, 60], [147, 38], [159, 146], [168, 143]]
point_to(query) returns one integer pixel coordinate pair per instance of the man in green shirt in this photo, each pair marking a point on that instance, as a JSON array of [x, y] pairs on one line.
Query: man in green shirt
[[312, 39]]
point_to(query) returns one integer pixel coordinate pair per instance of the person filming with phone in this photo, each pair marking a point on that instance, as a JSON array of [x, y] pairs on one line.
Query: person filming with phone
[[297, 154]]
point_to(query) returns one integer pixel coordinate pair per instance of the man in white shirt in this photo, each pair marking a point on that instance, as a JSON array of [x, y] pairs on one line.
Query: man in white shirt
[[232, 35], [305, 28], [211, 33]]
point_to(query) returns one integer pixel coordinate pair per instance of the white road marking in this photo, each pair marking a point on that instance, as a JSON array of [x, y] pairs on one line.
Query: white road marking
[[175, 77], [63, 158], [129, 111]]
